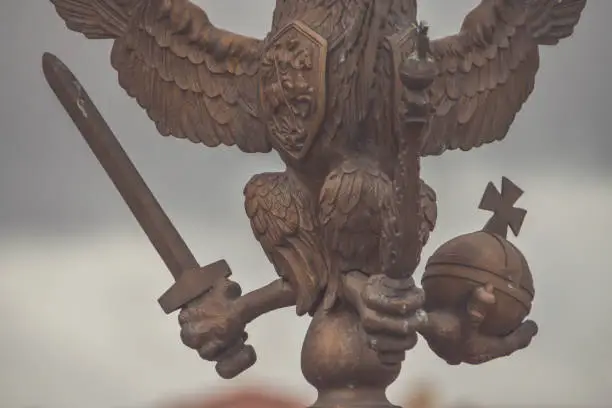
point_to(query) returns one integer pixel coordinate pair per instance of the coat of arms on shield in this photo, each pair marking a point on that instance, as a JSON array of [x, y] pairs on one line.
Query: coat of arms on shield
[[292, 87]]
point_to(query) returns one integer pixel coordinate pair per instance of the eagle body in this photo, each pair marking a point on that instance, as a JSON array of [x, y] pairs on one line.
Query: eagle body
[[317, 89], [336, 189]]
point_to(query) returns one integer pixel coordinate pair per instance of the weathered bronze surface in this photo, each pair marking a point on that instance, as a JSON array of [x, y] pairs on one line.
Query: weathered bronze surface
[[351, 94]]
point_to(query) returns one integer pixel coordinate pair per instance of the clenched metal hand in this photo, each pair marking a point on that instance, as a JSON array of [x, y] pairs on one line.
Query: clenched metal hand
[[214, 326], [456, 337], [390, 316]]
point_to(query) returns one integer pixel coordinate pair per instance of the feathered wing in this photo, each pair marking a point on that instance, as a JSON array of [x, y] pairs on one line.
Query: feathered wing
[[194, 80], [487, 71], [282, 215]]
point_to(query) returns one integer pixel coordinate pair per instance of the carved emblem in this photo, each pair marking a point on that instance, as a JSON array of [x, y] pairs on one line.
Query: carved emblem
[[292, 88]]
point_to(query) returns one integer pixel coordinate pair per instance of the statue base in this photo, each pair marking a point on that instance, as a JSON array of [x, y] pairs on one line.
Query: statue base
[[337, 361], [353, 398]]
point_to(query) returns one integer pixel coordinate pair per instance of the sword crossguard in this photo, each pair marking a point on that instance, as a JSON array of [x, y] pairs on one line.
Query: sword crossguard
[[193, 283]]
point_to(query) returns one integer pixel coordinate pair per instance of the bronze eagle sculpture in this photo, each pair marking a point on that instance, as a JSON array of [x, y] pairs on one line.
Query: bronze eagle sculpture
[[341, 90]]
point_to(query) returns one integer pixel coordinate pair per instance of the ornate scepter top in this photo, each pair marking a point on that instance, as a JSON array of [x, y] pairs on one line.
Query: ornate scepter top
[[502, 205], [422, 46]]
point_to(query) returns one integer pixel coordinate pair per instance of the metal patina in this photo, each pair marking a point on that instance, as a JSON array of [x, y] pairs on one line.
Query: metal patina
[[351, 94]]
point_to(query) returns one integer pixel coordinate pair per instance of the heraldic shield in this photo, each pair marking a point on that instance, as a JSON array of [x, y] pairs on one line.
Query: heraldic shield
[[292, 88]]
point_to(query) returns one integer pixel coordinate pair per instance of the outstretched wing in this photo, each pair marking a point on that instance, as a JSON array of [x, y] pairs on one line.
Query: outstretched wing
[[194, 80], [283, 221], [487, 71]]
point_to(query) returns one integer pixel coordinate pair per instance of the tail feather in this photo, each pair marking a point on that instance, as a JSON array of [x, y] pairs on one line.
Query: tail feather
[[95, 19]]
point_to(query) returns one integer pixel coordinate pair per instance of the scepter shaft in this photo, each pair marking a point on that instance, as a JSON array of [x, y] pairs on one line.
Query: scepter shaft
[[402, 215], [403, 212]]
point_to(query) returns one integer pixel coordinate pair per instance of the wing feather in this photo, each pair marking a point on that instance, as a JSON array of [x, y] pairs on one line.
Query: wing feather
[[195, 81], [96, 19], [282, 219], [488, 70]]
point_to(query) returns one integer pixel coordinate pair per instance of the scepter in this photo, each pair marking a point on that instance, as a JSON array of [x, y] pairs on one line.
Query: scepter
[[401, 242]]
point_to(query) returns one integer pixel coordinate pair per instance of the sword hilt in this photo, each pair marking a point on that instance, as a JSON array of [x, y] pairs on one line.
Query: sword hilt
[[194, 283]]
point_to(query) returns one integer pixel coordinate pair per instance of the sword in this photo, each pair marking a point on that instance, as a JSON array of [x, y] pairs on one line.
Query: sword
[[191, 279]]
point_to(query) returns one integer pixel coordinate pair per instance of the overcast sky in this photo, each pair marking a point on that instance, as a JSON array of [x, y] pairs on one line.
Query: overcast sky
[[80, 326]]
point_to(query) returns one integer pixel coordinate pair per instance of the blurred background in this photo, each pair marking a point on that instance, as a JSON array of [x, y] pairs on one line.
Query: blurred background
[[79, 322], [423, 397]]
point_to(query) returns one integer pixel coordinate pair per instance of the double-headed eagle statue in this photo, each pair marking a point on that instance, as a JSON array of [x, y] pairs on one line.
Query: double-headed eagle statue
[[350, 94]]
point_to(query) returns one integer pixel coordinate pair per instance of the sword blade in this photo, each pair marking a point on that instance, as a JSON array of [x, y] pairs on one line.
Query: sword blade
[[146, 209]]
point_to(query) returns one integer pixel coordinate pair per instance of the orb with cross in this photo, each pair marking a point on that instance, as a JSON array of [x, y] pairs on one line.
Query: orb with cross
[[484, 270]]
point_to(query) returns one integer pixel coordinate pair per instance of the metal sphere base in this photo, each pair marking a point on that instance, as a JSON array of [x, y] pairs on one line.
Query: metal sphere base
[[337, 361]]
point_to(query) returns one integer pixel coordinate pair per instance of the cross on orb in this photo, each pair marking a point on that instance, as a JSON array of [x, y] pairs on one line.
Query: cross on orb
[[502, 205]]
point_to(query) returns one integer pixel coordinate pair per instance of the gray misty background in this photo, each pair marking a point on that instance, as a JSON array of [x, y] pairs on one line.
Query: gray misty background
[[80, 326]]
